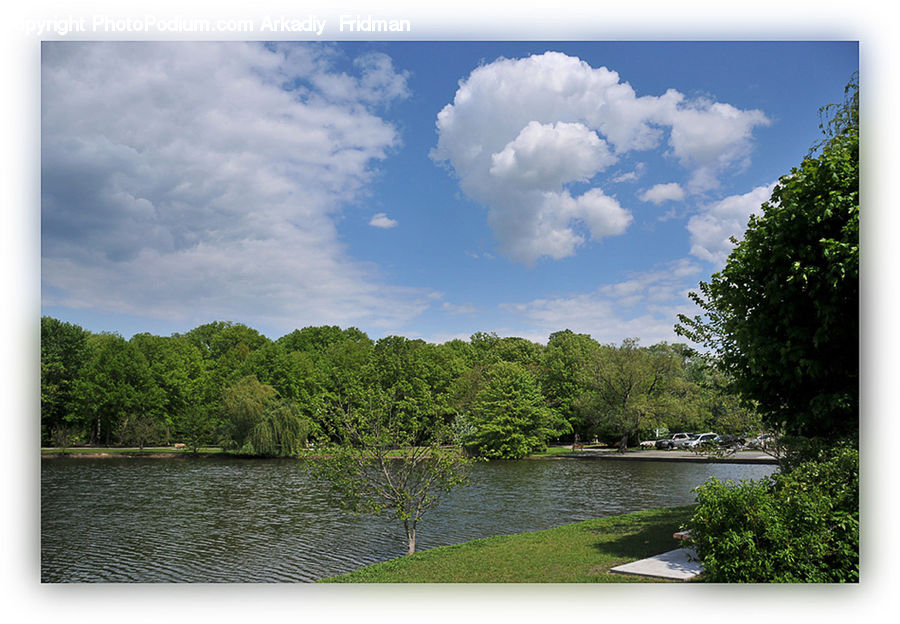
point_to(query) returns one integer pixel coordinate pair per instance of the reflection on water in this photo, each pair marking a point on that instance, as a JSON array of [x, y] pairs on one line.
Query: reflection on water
[[225, 520]]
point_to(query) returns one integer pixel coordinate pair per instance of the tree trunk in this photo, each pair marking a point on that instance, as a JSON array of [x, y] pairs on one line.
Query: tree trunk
[[410, 537], [623, 445]]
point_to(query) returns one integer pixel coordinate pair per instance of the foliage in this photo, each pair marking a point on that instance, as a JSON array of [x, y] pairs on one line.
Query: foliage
[[566, 360], [800, 526], [509, 416], [178, 375], [783, 314], [258, 422], [114, 383], [281, 432], [631, 388], [100, 388], [63, 353], [384, 467], [243, 405]]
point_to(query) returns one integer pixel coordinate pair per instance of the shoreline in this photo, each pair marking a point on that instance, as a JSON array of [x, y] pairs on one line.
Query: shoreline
[[740, 457]]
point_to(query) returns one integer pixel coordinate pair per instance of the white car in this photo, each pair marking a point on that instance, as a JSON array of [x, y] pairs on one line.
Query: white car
[[701, 439], [674, 441]]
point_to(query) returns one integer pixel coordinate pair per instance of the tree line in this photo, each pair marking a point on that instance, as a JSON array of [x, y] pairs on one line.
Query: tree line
[[225, 384]]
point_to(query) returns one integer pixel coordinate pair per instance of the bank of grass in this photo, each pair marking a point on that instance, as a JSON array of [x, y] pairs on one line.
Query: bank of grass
[[582, 552], [561, 451], [113, 450]]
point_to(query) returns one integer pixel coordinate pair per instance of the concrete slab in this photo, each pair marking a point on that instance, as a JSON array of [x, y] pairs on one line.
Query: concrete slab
[[675, 564]]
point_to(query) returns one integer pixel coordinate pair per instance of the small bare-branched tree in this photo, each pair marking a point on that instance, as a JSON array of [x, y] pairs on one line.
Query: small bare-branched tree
[[389, 465]]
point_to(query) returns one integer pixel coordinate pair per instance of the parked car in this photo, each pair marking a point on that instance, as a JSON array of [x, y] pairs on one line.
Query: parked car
[[761, 442], [702, 439], [673, 441], [731, 441]]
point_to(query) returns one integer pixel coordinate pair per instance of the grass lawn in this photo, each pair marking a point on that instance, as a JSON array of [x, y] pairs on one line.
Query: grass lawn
[[582, 552], [147, 450]]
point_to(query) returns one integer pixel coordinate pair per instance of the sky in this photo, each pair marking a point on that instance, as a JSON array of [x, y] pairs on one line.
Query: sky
[[427, 189]]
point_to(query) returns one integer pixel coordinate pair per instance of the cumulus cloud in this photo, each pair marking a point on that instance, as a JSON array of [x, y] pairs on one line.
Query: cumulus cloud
[[381, 220], [662, 193], [712, 229], [193, 181], [549, 155], [521, 132], [645, 304]]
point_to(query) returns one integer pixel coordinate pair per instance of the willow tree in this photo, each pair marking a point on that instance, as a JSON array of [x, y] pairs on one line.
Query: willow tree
[[258, 422]]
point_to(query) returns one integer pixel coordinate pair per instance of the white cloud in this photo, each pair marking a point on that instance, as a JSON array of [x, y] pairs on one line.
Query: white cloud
[[381, 220], [194, 181], [663, 192], [520, 130], [646, 305], [631, 176], [712, 229], [549, 155]]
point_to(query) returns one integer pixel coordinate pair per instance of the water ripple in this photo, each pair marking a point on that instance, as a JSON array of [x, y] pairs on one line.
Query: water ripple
[[214, 520]]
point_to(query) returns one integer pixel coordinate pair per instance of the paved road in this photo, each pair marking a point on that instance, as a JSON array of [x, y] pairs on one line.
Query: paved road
[[740, 457]]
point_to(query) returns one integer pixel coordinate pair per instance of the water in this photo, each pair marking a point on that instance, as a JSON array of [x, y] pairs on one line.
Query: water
[[226, 520]]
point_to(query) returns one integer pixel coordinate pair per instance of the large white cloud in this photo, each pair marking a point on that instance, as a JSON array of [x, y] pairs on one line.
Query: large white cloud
[[193, 181], [712, 229], [519, 132]]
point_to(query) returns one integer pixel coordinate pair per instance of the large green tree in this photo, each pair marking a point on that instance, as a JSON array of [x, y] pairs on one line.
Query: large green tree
[[632, 388], [63, 353], [114, 389], [259, 422], [783, 314], [566, 360], [509, 418], [177, 370]]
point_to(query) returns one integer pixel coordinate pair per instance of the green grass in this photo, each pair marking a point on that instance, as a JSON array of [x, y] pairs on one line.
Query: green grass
[[573, 553], [562, 451], [147, 450]]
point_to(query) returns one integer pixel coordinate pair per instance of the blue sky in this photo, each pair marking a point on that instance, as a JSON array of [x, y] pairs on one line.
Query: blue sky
[[427, 189]]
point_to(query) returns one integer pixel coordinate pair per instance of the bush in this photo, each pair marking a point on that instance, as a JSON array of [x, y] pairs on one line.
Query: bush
[[801, 526]]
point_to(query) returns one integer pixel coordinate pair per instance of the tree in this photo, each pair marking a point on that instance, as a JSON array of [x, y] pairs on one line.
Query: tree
[[318, 339], [383, 467], [115, 384], [259, 422], [631, 388], [783, 314], [509, 419], [176, 368], [565, 362], [63, 353], [243, 405], [281, 432]]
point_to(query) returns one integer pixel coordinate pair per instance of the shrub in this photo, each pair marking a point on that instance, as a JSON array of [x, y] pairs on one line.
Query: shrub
[[801, 526]]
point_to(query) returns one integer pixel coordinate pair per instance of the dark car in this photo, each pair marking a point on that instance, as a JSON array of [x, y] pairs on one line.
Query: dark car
[[732, 442]]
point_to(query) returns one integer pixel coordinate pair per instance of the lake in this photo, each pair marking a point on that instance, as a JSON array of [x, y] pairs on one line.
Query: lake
[[216, 520]]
